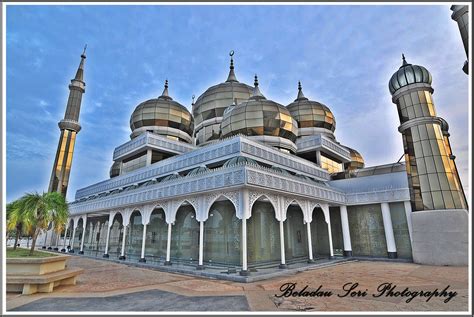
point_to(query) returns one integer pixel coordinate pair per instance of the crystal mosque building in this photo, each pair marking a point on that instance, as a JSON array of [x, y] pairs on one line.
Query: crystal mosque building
[[246, 182]]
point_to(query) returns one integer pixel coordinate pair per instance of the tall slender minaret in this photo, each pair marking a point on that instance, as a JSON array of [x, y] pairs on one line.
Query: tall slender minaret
[[432, 175], [69, 127], [461, 16]]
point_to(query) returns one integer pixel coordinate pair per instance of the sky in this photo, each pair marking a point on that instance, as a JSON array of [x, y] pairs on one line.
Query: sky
[[343, 55]]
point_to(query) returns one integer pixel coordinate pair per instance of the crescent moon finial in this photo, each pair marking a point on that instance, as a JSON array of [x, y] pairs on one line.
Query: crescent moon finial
[[231, 53]]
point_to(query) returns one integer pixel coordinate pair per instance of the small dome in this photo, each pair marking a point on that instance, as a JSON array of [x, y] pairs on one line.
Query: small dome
[[311, 114], [114, 169], [408, 74], [163, 116], [239, 160], [211, 105], [357, 161], [198, 170], [260, 117]]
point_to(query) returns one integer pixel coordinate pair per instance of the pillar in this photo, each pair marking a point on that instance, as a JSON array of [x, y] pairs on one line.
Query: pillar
[[142, 258], [388, 228], [310, 242], [407, 205], [106, 252], [84, 226], [122, 254], [45, 240], [148, 157], [282, 247], [244, 210], [71, 250], [65, 236], [58, 235], [201, 245], [168, 246], [346, 235]]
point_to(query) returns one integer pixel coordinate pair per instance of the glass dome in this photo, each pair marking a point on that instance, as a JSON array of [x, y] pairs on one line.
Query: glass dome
[[408, 74], [163, 116]]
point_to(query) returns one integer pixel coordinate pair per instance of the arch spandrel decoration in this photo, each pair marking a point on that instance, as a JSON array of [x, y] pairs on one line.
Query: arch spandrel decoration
[[232, 196], [273, 199]]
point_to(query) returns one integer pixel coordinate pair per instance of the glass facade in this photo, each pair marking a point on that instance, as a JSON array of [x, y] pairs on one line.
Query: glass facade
[[330, 165], [116, 236], [263, 234], [133, 163], [336, 230], [156, 237], [62, 164], [76, 244], [96, 235], [319, 234], [311, 114], [296, 238], [134, 237], [367, 230], [222, 231], [185, 235], [400, 230]]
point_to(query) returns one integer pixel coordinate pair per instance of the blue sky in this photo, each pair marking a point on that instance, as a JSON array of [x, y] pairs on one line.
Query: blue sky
[[344, 56]]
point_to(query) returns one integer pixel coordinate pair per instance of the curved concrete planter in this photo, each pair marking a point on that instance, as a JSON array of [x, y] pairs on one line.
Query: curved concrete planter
[[32, 275]]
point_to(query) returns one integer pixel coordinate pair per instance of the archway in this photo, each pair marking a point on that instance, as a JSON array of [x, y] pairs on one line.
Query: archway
[[156, 236], [134, 237], [116, 234], [319, 234], [296, 238], [222, 234], [185, 235], [95, 235], [76, 244], [263, 233]]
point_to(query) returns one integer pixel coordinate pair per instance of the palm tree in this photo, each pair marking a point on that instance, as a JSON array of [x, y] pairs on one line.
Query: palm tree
[[14, 221], [37, 211]]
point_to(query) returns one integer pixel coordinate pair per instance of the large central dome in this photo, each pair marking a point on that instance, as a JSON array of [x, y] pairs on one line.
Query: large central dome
[[162, 116], [263, 119], [209, 107]]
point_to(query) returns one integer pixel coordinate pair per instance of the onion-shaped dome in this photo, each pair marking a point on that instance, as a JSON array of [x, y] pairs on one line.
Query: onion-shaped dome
[[311, 115], [210, 106], [171, 177], [408, 74], [240, 160], [357, 161], [114, 169], [163, 116], [263, 119], [198, 170]]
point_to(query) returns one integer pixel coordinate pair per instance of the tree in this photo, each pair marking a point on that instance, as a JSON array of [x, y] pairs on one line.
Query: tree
[[14, 221], [37, 211]]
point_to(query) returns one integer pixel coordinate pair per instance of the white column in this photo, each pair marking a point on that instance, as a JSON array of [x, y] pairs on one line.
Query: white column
[[72, 239], [168, 246], [244, 246], [142, 258], [65, 236], [201, 245], [318, 158], [408, 211], [122, 254], [328, 221], [148, 157], [346, 235], [387, 224], [45, 239], [84, 226], [310, 242], [58, 235], [282, 246], [106, 252]]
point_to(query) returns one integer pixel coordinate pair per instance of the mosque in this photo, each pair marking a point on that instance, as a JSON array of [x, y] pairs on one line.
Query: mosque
[[246, 182]]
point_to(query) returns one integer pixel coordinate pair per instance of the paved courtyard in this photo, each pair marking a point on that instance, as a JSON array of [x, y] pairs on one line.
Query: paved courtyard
[[108, 286]]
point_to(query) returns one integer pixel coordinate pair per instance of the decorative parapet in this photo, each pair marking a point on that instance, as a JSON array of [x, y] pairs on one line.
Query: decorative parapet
[[319, 141], [151, 140], [223, 150], [218, 179]]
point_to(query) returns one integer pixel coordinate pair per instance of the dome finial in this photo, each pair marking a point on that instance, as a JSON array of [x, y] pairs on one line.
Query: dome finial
[[404, 60], [300, 93], [165, 94], [231, 77], [256, 91], [192, 102], [83, 55]]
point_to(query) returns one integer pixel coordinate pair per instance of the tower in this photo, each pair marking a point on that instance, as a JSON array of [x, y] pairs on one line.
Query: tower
[[439, 216], [69, 127], [461, 16]]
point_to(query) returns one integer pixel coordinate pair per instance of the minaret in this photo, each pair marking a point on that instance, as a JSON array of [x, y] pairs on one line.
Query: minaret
[[461, 16], [69, 127], [432, 175]]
